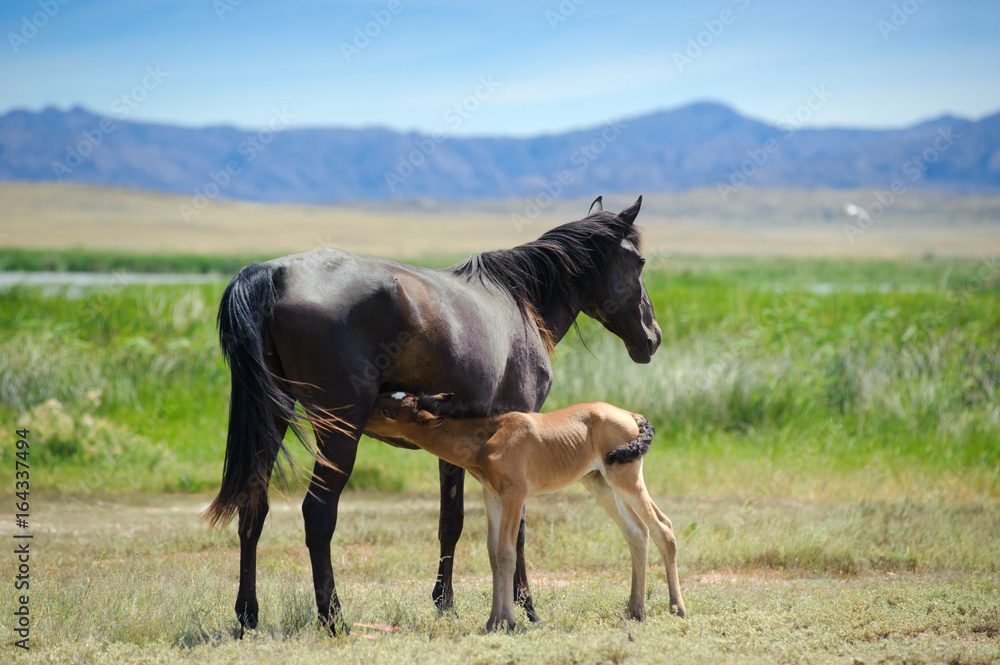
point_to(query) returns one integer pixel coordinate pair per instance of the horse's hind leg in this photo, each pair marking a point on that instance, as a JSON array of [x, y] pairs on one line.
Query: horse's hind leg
[[449, 530], [337, 444], [319, 509], [250, 526]]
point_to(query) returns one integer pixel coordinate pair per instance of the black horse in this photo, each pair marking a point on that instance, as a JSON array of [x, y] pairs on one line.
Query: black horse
[[331, 329]]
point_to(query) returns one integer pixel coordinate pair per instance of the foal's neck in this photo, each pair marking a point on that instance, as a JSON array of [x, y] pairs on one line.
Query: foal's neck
[[456, 440]]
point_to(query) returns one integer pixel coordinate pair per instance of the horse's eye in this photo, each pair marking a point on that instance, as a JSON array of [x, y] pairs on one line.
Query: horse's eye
[[385, 413], [642, 261]]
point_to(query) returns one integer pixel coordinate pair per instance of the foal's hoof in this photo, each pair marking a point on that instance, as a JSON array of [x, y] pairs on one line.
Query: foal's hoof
[[678, 611], [504, 625]]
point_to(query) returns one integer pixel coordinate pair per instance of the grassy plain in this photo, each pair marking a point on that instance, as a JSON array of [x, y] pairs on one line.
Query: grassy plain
[[750, 222], [826, 446], [127, 579]]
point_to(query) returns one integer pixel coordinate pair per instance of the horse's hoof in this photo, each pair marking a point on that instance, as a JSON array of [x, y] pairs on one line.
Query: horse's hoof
[[247, 612], [532, 614], [336, 626], [443, 600], [529, 609]]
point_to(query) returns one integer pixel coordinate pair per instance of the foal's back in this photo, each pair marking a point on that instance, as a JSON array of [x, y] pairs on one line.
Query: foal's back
[[558, 448]]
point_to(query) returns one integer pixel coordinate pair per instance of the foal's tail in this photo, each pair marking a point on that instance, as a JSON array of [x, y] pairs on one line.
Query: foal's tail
[[635, 448], [253, 440]]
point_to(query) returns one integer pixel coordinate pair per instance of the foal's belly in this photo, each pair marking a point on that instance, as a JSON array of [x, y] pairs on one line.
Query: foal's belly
[[554, 476]]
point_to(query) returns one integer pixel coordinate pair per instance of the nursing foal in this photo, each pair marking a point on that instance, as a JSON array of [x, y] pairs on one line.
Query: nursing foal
[[516, 455]]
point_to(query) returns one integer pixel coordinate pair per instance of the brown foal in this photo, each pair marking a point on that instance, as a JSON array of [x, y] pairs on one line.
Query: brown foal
[[516, 455]]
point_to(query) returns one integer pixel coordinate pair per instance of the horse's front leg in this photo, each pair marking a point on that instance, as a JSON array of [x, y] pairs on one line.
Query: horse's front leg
[[450, 525]]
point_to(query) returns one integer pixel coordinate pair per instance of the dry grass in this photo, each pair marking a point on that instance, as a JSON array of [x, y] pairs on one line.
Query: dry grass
[[751, 223], [140, 579]]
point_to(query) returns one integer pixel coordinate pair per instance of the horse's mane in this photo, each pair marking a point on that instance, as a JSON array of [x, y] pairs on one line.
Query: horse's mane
[[563, 262]]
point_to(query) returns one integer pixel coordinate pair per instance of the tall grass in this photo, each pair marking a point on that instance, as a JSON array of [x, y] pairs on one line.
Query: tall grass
[[95, 260], [125, 387]]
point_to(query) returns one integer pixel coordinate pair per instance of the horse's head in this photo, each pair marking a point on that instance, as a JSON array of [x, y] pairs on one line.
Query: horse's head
[[620, 301], [400, 408]]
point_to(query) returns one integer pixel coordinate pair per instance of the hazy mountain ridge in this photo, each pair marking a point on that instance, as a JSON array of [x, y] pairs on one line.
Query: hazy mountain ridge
[[700, 145]]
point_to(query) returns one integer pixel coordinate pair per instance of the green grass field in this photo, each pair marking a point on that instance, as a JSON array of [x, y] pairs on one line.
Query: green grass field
[[827, 446]]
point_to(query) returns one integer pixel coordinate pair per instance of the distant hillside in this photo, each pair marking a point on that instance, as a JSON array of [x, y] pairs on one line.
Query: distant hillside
[[701, 145]]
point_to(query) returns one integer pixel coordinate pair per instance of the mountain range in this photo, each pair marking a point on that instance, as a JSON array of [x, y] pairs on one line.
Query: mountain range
[[695, 146]]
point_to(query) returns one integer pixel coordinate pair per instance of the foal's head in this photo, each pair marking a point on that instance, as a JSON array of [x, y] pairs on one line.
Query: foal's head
[[405, 408]]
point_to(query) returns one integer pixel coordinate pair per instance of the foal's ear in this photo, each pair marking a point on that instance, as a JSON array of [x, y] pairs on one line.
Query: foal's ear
[[428, 419], [444, 398], [596, 206], [629, 214]]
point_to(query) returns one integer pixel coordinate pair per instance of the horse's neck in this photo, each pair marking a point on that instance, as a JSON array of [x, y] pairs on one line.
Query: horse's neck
[[558, 317], [559, 322]]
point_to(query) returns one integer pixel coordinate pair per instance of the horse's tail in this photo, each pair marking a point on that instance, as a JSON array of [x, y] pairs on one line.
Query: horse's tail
[[635, 448], [253, 439]]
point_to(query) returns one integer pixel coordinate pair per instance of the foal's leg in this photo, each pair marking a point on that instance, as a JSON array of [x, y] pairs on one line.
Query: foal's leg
[[636, 536], [449, 530], [626, 480], [493, 514], [250, 527], [503, 518]]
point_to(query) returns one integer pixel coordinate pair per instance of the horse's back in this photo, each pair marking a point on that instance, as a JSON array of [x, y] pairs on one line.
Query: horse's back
[[371, 323]]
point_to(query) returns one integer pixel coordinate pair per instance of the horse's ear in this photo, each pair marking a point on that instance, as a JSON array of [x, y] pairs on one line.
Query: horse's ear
[[629, 214], [596, 206], [444, 398]]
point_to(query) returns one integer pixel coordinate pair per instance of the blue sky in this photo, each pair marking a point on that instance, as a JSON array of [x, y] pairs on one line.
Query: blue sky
[[515, 68]]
